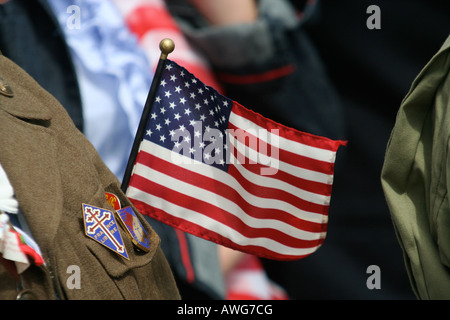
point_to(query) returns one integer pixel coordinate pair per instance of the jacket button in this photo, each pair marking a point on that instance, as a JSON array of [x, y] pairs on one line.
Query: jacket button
[[5, 89]]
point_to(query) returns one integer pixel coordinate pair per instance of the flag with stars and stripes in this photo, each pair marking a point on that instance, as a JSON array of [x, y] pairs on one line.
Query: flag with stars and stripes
[[212, 168]]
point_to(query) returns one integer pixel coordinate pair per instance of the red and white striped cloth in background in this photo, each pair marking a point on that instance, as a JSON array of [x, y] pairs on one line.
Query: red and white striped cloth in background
[[248, 281], [151, 22]]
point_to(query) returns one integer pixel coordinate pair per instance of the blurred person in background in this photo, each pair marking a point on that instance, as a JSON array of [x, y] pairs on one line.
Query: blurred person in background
[[97, 64], [372, 69]]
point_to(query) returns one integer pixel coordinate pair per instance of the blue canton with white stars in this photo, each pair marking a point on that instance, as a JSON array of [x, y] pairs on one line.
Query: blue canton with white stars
[[189, 117]]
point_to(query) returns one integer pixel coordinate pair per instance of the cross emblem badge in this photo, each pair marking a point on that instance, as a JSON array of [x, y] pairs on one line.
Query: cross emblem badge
[[100, 225]]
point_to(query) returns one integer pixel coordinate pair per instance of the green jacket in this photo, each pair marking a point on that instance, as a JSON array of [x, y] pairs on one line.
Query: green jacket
[[416, 178]]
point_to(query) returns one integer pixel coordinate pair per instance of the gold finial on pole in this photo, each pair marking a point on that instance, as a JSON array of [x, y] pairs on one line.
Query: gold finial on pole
[[166, 46]]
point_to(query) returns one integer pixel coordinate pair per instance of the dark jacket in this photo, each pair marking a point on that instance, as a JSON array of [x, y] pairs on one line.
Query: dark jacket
[[31, 37]]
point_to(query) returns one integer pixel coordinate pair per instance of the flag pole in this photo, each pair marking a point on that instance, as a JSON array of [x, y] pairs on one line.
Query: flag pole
[[166, 46]]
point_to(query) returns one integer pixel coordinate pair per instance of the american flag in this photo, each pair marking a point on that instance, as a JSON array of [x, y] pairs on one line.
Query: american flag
[[210, 167]]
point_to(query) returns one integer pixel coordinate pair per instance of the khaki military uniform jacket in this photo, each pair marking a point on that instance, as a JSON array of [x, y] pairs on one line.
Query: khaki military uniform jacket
[[416, 178], [54, 170]]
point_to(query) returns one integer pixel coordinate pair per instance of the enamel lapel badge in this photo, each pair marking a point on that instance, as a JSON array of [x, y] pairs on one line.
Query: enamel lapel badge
[[136, 231], [100, 225], [113, 200]]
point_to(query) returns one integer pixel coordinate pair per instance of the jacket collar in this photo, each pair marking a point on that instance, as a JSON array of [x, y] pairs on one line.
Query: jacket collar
[[16, 105]]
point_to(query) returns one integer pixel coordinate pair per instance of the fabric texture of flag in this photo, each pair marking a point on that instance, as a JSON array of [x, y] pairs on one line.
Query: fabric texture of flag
[[208, 166]]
